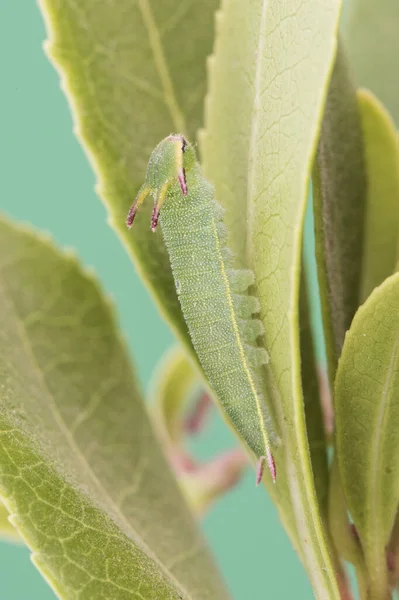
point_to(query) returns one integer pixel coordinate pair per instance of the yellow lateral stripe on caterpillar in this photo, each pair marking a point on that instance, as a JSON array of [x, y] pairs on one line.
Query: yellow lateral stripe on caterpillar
[[269, 456], [219, 320]]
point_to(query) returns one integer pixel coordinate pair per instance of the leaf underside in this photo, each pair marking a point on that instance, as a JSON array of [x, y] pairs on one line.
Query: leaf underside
[[263, 114], [312, 406], [339, 196], [80, 468]]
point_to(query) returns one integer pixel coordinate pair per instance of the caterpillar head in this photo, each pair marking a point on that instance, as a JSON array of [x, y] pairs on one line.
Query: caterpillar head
[[169, 163]]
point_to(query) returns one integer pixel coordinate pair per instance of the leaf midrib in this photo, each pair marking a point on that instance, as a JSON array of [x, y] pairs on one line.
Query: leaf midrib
[[254, 128], [135, 537], [376, 451], [303, 491], [162, 66]]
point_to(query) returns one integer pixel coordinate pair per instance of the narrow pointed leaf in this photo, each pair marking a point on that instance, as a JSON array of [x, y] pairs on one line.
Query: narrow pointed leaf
[[381, 236], [263, 115], [172, 384], [339, 193], [133, 72], [311, 396], [367, 425], [342, 532], [80, 468], [315, 425], [371, 37]]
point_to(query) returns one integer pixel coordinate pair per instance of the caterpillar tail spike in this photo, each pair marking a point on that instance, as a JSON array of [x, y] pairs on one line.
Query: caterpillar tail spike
[[213, 296], [261, 466]]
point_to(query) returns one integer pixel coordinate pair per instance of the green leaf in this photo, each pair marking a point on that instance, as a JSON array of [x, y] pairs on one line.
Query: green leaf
[[316, 433], [371, 38], [173, 385], [263, 116], [342, 533], [311, 397], [130, 84], [367, 425], [339, 195], [80, 468], [381, 236], [7, 530], [393, 554]]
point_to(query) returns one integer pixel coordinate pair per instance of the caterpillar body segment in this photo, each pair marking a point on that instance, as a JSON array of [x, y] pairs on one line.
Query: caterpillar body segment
[[213, 298]]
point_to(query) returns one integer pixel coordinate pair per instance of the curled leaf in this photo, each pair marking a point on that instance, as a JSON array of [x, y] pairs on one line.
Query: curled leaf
[[209, 481], [174, 385], [381, 235], [339, 199]]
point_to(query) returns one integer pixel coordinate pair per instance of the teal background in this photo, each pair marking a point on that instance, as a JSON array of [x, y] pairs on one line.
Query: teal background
[[47, 181]]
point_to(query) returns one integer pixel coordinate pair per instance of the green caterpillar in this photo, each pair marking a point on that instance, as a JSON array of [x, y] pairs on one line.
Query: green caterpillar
[[212, 295]]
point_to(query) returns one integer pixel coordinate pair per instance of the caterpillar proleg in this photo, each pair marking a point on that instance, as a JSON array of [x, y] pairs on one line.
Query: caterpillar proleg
[[213, 298]]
